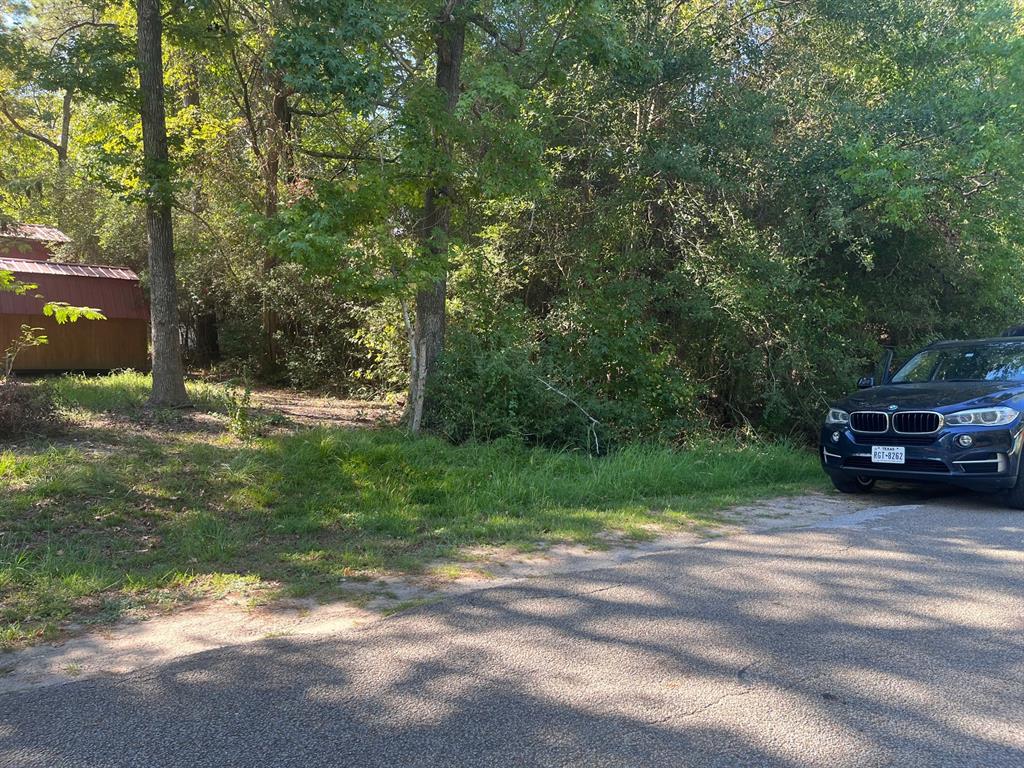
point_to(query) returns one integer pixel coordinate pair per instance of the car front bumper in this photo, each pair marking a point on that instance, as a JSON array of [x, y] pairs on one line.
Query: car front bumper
[[990, 464]]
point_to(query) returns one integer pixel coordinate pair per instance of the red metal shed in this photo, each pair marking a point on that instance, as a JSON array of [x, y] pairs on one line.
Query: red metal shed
[[120, 341]]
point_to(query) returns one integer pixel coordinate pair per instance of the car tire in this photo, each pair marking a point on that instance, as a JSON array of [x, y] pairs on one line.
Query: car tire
[[1014, 497], [852, 484]]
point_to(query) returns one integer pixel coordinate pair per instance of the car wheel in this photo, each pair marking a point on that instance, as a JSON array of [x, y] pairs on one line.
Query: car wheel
[[857, 484]]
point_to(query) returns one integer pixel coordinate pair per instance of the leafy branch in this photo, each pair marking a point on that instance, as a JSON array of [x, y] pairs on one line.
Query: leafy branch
[[63, 312], [28, 337]]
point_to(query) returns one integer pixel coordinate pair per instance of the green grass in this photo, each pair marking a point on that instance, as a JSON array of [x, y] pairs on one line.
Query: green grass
[[91, 527], [124, 391]]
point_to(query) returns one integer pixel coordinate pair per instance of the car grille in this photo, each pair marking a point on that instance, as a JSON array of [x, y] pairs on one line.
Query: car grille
[[897, 440], [919, 422], [869, 421], [912, 465]]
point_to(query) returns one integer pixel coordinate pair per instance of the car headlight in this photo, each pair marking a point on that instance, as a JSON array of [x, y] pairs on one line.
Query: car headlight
[[987, 417], [837, 416]]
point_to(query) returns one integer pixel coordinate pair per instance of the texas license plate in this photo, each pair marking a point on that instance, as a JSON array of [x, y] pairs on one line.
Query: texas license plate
[[887, 454]]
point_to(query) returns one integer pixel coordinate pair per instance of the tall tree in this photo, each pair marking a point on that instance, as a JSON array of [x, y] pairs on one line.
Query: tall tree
[[435, 222], [54, 55], [438, 92], [168, 373]]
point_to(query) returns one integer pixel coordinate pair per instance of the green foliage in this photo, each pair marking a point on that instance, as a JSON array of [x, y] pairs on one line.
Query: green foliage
[[63, 312], [329, 49], [680, 216], [9, 283], [245, 421], [492, 387], [588, 378], [322, 335]]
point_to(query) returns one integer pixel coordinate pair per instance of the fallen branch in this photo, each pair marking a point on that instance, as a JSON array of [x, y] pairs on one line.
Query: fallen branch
[[591, 427]]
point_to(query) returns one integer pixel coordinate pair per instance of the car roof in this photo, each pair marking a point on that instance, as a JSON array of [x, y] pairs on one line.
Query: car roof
[[976, 342]]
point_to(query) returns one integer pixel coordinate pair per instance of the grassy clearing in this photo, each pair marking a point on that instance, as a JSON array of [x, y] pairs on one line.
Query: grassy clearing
[[125, 392], [111, 518]]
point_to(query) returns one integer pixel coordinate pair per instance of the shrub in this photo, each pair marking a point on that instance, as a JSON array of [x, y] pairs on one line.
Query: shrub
[[588, 376], [25, 410], [245, 421], [491, 387]]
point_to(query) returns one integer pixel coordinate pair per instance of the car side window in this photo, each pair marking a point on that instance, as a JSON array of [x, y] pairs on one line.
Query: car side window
[[1006, 368], [995, 362]]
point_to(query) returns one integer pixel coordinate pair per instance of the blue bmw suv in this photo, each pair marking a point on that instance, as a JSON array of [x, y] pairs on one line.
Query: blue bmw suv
[[951, 414]]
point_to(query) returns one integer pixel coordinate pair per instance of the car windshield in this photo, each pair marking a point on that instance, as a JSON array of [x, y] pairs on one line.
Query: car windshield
[[978, 362]]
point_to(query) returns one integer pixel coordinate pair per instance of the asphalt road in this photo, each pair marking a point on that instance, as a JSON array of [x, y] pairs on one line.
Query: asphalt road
[[893, 637]]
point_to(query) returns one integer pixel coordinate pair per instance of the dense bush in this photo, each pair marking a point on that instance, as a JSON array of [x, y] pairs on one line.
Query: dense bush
[[26, 410], [738, 257], [587, 383], [493, 386]]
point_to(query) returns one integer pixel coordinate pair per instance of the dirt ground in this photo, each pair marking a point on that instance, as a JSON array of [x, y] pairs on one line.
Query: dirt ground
[[314, 410]]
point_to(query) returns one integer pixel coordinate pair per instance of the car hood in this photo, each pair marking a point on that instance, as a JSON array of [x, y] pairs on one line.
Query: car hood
[[935, 394]]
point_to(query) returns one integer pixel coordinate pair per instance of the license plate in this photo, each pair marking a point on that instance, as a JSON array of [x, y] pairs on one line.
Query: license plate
[[886, 454]]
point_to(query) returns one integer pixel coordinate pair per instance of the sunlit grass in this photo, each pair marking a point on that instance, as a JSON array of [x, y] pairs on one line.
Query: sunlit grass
[[124, 391]]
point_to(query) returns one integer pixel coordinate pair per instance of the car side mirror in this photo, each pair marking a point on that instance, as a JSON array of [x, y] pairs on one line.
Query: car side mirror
[[866, 382]]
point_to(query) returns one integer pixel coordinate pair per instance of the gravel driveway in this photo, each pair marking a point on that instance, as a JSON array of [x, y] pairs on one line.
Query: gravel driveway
[[893, 636]]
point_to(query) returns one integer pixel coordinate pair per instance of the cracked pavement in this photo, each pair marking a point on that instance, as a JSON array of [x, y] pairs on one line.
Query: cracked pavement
[[892, 636]]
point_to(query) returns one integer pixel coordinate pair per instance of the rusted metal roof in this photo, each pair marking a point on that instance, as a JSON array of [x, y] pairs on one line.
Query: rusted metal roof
[[34, 232], [53, 268], [115, 291]]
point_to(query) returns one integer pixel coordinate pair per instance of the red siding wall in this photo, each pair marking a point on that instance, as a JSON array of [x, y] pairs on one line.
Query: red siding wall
[[17, 248]]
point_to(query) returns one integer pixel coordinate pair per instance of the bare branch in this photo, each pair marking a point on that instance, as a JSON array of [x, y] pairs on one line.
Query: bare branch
[[402, 61], [979, 186], [487, 26], [27, 131], [594, 423], [79, 25]]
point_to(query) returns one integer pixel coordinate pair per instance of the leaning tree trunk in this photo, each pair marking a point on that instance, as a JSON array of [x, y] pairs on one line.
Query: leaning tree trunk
[[168, 373], [435, 227]]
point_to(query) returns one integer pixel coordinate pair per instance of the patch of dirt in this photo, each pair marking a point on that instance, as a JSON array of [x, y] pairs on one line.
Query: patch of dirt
[[131, 645], [323, 410]]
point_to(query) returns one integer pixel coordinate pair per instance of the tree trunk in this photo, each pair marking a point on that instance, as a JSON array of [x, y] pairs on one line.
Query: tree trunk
[[63, 172], [435, 227], [65, 128], [168, 373], [277, 153], [281, 111]]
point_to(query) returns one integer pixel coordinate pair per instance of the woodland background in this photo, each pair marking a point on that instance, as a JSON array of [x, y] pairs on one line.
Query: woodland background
[[650, 219]]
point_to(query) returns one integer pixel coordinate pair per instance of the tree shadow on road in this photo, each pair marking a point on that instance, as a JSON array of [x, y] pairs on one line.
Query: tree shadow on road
[[899, 644]]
